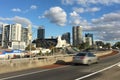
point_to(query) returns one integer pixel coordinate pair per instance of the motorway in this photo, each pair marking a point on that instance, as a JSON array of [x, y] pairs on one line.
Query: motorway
[[67, 72]]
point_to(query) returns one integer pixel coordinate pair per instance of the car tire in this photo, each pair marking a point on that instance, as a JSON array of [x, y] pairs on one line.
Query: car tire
[[97, 60], [89, 62]]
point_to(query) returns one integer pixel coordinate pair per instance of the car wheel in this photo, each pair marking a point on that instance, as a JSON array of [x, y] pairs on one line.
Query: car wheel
[[97, 60], [89, 62]]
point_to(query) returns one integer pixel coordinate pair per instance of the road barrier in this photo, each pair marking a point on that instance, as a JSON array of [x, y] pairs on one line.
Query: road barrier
[[27, 63]]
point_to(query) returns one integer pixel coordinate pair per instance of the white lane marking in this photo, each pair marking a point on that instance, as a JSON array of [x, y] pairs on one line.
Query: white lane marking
[[91, 74], [118, 65], [32, 73]]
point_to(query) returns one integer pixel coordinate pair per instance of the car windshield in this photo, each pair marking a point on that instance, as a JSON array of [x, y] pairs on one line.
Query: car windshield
[[81, 54]]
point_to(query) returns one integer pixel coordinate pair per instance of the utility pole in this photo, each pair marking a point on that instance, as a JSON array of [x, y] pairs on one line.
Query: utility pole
[[30, 37]]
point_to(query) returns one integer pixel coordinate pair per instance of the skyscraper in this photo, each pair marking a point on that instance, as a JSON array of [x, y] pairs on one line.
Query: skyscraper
[[24, 35], [5, 35], [14, 36], [88, 35], [66, 36], [41, 33], [77, 35]]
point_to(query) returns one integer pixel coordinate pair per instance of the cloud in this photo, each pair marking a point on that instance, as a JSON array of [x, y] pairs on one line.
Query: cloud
[[108, 18], [94, 9], [33, 7], [107, 27], [67, 2], [79, 10], [17, 19], [16, 10], [41, 17], [56, 15], [89, 2], [21, 20], [83, 10], [74, 14], [76, 19], [5, 19]]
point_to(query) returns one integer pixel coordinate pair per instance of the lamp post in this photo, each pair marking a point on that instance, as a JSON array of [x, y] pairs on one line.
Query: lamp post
[[30, 38]]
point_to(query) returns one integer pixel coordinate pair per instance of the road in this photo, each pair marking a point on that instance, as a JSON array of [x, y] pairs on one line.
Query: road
[[66, 72]]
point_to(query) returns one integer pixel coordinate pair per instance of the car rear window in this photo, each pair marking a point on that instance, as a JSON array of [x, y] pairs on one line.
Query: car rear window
[[81, 54]]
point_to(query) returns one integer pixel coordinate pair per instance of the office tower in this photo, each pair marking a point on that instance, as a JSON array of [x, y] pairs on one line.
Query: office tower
[[25, 35], [10, 33], [16, 32], [41, 33], [88, 40], [5, 35], [14, 36], [77, 35], [88, 35], [66, 36]]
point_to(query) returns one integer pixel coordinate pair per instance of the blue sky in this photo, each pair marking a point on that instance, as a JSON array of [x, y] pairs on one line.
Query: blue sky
[[100, 17]]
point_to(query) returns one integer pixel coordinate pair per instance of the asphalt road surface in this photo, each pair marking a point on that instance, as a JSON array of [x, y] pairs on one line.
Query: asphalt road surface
[[68, 72]]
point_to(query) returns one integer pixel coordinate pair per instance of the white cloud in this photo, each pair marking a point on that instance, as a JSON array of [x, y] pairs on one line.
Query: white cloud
[[79, 10], [74, 14], [41, 17], [94, 9], [89, 2], [22, 20], [107, 27], [76, 20], [5, 19], [56, 15], [83, 10], [33, 7], [16, 10], [108, 18], [17, 19], [67, 2]]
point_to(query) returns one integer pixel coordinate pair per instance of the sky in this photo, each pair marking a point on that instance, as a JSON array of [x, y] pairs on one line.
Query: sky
[[99, 17]]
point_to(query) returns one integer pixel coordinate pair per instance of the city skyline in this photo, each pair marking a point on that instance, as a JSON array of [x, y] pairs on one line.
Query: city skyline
[[101, 18]]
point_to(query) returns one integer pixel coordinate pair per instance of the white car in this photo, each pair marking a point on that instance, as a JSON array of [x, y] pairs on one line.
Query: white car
[[85, 58]]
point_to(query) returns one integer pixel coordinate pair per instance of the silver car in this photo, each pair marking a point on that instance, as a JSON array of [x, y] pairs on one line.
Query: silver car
[[85, 58]]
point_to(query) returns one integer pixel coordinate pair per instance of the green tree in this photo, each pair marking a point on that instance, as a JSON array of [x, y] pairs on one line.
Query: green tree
[[116, 45], [84, 45], [107, 45], [99, 43]]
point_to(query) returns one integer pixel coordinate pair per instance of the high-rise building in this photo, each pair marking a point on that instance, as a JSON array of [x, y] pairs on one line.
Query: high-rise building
[[41, 33], [6, 30], [88, 40], [13, 36], [25, 35], [88, 35], [77, 35], [66, 36]]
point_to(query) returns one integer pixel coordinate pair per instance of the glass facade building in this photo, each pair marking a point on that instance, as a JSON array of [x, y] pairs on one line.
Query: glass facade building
[[41, 33]]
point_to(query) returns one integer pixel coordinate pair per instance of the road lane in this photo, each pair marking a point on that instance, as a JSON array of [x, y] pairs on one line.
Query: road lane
[[70, 72]]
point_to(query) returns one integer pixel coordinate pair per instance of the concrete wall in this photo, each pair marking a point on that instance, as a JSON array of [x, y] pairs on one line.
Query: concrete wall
[[21, 64], [27, 63]]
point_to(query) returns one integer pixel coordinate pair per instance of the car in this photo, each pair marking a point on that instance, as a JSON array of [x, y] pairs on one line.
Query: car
[[85, 58]]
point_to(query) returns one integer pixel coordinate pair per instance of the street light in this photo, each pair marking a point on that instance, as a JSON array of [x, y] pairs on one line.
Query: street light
[[30, 38]]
